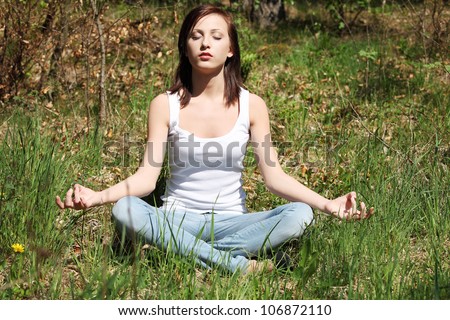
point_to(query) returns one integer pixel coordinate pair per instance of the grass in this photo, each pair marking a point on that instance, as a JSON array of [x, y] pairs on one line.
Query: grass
[[347, 114]]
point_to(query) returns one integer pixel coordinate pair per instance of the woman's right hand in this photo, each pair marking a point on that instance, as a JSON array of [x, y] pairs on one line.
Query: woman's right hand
[[79, 198]]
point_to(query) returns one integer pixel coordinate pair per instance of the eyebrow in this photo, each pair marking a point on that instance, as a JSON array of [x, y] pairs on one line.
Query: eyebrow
[[212, 30]]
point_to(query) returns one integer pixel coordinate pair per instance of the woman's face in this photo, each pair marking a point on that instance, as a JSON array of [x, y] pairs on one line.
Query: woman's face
[[208, 45]]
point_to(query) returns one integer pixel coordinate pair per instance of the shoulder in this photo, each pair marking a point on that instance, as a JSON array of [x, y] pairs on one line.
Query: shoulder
[[257, 103], [159, 108], [160, 101], [258, 108]]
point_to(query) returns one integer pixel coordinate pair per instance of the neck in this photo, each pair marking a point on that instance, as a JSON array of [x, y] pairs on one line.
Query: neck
[[211, 84]]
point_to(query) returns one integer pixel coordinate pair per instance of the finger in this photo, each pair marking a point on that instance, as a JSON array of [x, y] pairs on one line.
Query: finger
[[353, 200], [83, 202], [68, 203], [69, 193], [59, 203], [76, 198], [363, 210], [371, 211]]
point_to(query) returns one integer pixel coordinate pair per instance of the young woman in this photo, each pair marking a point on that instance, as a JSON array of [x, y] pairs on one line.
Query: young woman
[[204, 123]]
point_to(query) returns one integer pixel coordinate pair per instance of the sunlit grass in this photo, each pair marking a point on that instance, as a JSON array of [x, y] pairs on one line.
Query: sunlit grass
[[342, 121]]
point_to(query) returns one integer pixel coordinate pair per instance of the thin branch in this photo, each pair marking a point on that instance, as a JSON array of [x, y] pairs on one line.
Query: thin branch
[[102, 111]]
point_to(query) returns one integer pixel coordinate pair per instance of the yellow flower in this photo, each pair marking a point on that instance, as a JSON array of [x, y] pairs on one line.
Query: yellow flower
[[18, 248]]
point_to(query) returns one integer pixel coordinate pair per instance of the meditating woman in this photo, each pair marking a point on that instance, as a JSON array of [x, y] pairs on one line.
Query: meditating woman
[[204, 123]]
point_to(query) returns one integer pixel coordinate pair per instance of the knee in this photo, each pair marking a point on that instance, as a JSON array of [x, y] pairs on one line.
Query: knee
[[121, 211], [299, 215]]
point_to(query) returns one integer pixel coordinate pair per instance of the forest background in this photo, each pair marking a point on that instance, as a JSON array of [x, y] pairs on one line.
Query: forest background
[[359, 100]]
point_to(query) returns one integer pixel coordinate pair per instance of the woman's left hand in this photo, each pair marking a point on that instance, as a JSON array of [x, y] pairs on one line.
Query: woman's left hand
[[345, 208]]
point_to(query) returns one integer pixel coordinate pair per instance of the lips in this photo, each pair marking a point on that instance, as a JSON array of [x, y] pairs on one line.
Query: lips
[[205, 55]]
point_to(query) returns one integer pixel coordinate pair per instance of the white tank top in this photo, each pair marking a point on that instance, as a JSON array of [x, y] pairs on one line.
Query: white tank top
[[206, 173]]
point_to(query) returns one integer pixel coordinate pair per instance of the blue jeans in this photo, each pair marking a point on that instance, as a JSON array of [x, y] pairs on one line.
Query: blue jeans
[[225, 240]]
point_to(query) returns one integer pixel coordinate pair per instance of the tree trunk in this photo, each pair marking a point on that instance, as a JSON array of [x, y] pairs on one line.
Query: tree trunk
[[265, 13]]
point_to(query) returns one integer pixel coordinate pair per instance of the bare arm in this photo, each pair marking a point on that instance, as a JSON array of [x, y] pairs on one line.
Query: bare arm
[[283, 185], [144, 180]]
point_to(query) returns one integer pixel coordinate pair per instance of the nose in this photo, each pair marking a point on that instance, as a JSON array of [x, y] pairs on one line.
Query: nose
[[205, 43]]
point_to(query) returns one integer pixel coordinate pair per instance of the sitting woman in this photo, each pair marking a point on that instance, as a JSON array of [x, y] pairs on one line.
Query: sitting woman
[[204, 123]]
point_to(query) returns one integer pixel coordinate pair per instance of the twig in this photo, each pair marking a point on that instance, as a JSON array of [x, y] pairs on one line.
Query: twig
[[351, 23], [102, 112]]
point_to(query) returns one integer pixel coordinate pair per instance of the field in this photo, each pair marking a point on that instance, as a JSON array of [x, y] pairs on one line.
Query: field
[[367, 111]]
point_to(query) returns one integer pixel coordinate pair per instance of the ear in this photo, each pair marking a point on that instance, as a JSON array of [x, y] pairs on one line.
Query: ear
[[230, 54]]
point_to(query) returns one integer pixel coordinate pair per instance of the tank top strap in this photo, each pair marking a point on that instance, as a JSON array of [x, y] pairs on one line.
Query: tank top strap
[[244, 107], [174, 109]]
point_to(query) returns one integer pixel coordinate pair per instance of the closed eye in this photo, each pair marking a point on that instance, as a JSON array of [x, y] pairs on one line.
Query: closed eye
[[196, 35], [217, 35]]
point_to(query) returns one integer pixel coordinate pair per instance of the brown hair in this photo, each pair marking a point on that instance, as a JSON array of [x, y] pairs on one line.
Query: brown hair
[[232, 70]]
